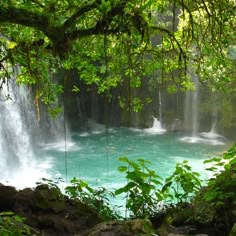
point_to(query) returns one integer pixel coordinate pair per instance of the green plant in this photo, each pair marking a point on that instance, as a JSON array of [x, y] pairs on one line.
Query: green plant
[[12, 225], [215, 204], [98, 199], [219, 164], [141, 193], [182, 184], [222, 186]]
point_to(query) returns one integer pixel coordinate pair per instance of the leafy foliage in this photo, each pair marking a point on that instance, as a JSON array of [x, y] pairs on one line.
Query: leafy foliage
[[182, 184], [98, 199], [118, 44], [145, 190], [12, 225], [215, 203], [222, 187], [141, 187]]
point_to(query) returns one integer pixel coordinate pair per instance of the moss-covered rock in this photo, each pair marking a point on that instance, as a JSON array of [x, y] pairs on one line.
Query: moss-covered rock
[[48, 211], [46, 198], [137, 227], [7, 197]]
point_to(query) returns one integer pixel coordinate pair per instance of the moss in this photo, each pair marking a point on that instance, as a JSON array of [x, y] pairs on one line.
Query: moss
[[215, 204], [139, 227]]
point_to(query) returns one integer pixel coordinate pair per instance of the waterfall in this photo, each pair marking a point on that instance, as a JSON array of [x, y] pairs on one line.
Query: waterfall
[[212, 134], [187, 111], [157, 126], [214, 114], [18, 130], [195, 113], [60, 135], [160, 107], [191, 108], [13, 129], [191, 118], [191, 113]]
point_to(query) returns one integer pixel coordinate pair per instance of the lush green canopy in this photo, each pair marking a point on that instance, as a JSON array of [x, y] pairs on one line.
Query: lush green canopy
[[114, 42]]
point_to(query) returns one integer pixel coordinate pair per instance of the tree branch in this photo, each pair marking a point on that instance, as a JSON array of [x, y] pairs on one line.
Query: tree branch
[[70, 22], [24, 17]]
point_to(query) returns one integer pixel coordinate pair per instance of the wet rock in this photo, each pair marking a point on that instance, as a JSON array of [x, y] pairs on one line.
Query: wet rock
[[185, 230], [7, 197], [48, 211], [46, 198], [122, 228]]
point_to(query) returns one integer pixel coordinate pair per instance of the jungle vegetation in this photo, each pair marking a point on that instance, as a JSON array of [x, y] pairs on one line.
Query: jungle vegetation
[[115, 43], [112, 43]]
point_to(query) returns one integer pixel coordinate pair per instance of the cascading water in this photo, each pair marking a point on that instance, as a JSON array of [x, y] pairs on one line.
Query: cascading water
[[60, 135], [191, 113], [157, 127], [191, 119], [160, 108], [212, 134], [195, 99], [191, 110], [18, 165]]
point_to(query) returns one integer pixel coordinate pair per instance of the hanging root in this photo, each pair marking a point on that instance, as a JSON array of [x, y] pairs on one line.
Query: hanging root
[[36, 102]]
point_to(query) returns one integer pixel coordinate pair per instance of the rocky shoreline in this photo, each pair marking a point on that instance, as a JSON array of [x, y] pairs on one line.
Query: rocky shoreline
[[48, 212]]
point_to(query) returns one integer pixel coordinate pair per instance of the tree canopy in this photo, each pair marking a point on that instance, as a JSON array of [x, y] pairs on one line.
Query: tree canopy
[[113, 42]]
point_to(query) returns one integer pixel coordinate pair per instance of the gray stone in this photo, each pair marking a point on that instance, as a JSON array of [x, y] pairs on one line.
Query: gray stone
[[122, 228]]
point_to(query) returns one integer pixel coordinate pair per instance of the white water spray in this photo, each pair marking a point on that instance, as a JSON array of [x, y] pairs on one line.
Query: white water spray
[[156, 127], [18, 165]]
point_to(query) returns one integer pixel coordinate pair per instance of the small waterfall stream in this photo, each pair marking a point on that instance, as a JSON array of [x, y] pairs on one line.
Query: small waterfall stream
[[191, 119], [156, 127], [191, 108], [194, 104], [160, 108], [212, 134]]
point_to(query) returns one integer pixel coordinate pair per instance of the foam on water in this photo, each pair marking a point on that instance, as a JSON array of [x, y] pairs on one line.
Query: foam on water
[[61, 146], [28, 175], [205, 138], [211, 135]]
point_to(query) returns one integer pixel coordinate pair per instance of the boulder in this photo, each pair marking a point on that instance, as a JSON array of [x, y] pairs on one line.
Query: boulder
[[122, 228], [48, 211], [7, 197]]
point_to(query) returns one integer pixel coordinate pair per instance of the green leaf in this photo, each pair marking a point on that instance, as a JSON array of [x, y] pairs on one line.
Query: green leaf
[[122, 168], [166, 186], [75, 89], [156, 182], [7, 213], [11, 45], [120, 190], [233, 161], [124, 159]]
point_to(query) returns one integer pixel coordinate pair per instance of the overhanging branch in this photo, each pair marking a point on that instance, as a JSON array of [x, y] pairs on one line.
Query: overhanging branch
[[24, 17], [70, 22]]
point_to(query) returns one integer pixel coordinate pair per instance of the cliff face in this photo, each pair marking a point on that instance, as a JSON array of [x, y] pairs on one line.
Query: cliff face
[[179, 111]]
